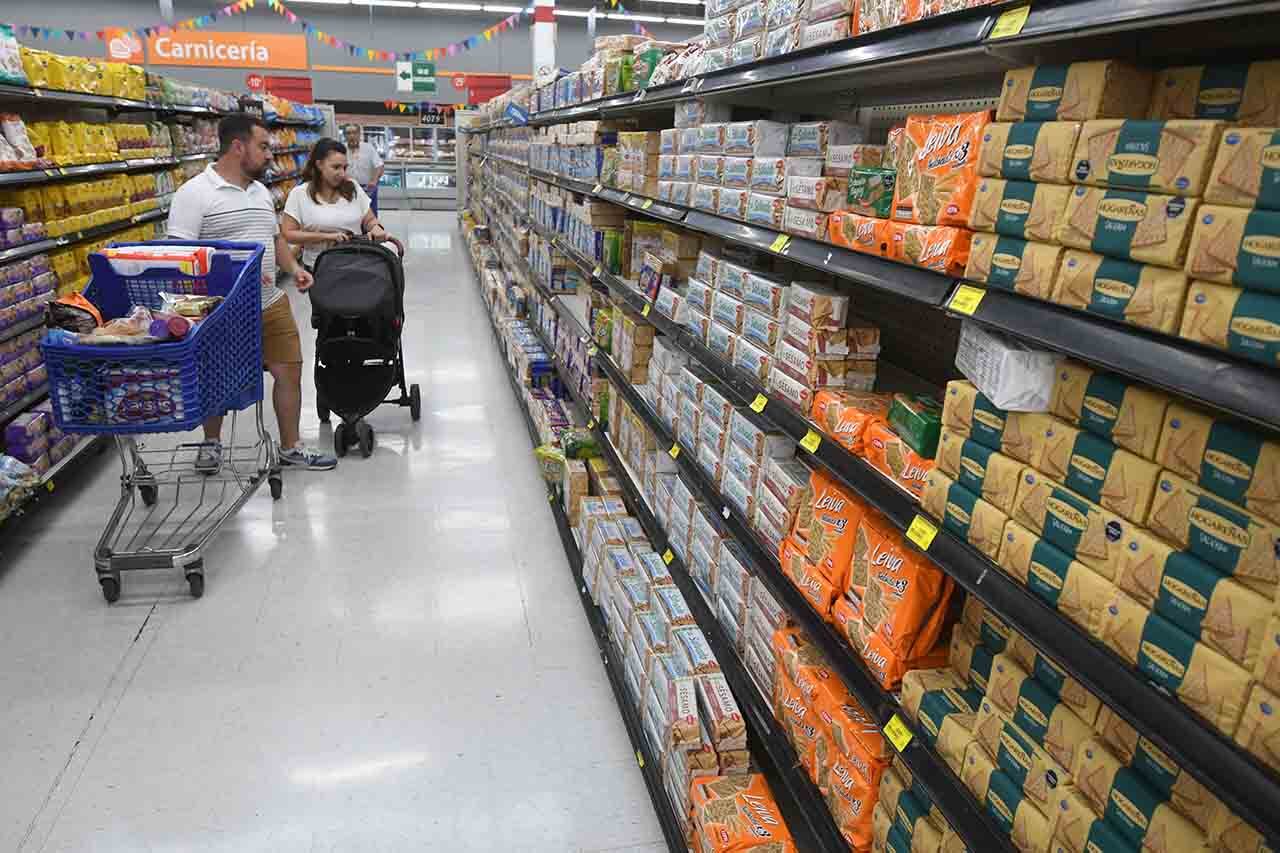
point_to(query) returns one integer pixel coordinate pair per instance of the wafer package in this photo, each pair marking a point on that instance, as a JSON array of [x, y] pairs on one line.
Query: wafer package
[[1225, 615], [1022, 209], [1075, 92], [1246, 172], [1137, 294], [1243, 93], [963, 513], [1109, 406], [1159, 156], [1231, 245], [937, 168], [1029, 151], [1098, 470], [1008, 263], [835, 514], [1243, 322], [1235, 463], [979, 469], [1070, 523], [1207, 682], [1234, 540], [1070, 587], [1145, 227]]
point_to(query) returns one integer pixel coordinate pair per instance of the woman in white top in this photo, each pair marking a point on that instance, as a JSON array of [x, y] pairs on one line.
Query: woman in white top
[[328, 207]]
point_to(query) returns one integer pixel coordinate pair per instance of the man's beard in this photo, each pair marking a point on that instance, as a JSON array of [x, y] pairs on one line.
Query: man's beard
[[261, 170]]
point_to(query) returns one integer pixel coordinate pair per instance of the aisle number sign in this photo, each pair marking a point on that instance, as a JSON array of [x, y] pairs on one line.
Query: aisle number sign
[[206, 49], [416, 77]]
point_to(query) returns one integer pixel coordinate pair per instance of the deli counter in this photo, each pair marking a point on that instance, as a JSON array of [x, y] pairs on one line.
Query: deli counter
[[419, 167]]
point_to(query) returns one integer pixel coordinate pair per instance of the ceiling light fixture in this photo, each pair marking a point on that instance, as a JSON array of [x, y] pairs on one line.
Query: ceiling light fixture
[[574, 13], [690, 22], [455, 7], [326, 2], [395, 4], [494, 7], [653, 19]]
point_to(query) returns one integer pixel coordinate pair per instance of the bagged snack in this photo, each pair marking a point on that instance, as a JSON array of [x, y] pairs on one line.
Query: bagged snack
[[1234, 246], [1109, 406], [1008, 263], [1075, 92], [937, 168], [1029, 151], [1098, 470], [963, 513], [1160, 156], [1011, 374], [845, 415], [831, 532], [1246, 172], [1237, 93], [1143, 227], [1070, 587], [739, 812], [870, 191], [1240, 321], [906, 595], [1259, 730], [860, 233], [942, 249], [979, 469], [892, 457], [1081, 529], [1020, 209], [1141, 295]]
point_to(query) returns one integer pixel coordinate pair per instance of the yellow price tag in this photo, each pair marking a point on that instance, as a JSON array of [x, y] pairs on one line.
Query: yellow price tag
[[595, 273], [591, 424], [921, 532], [648, 203], [674, 452], [591, 352], [811, 441], [49, 485], [667, 556], [1010, 23], [551, 497], [639, 758], [780, 242], [966, 299], [596, 188], [758, 404], [898, 733], [644, 312]]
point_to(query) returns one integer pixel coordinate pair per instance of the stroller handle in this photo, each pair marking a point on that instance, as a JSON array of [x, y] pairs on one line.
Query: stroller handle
[[399, 246]]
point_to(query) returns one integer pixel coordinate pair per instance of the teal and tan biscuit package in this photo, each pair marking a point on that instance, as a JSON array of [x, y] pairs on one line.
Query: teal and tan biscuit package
[[1147, 228], [968, 413], [1235, 463], [1055, 679], [911, 817], [1259, 730], [963, 513], [979, 469], [1029, 151], [1021, 209], [1016, 814], [1036, 712], [1082, 90], [1138, 294], [1011, 751], [1070, 587], [947, 723], [1070, 523], [1009, 263], [1246, 172], [1164, 775], [969, 658], [1098, 470], [1202, 679], [1244, 322], [1156, 156], [1078, 830], [1243, 93], [1232, 245], [991, 630], [1267, 670], [1125, 413], [1225, 615], [1232, 539]]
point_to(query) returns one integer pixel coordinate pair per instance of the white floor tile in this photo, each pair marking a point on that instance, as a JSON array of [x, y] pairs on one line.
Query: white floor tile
[[391, 658]]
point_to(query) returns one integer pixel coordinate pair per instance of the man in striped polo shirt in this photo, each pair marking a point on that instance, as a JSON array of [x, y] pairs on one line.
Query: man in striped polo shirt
[[226, 202]]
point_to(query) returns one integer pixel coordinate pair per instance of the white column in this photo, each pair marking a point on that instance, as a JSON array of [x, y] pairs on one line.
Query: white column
[[544, 40]]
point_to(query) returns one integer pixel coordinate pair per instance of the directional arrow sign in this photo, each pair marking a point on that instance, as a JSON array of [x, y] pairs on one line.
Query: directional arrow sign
[[416, 77]]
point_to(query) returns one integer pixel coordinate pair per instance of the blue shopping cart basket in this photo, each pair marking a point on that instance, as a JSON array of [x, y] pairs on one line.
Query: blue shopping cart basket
[[166, 387]]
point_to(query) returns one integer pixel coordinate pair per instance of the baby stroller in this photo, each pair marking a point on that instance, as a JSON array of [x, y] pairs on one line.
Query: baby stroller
[[357, 310]]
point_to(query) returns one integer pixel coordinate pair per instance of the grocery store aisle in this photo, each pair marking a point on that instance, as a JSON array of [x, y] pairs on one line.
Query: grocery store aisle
[[391, 658]]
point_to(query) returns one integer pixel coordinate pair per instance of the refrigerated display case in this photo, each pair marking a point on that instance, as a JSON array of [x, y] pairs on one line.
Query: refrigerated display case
[[419, 167]]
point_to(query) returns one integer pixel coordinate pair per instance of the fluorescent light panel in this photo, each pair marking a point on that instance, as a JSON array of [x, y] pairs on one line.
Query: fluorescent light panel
[[493, 7], [455, 7], [395, 4], [689, 22], [652, 19]]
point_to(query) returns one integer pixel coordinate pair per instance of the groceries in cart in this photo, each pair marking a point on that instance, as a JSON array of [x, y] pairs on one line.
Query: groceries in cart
[[74, 320]]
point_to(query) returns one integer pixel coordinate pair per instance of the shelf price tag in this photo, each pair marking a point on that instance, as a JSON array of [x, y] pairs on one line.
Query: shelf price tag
[[595, 273], [921, 532], [644, 312], [811, 441], [780, 242], [674, 452], [966, 300], [639, 759], [648, 203], [898, 733], [667, 556], [596, 189], [1010, 23], [591, 424], [591, 352], [49, 485], [758, 404]]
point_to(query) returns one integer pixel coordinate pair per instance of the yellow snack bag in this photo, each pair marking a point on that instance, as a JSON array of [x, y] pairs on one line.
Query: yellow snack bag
[[35, 63], [61, 73]]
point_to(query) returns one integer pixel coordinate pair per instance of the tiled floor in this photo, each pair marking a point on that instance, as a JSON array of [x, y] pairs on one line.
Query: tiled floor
[[392, 658]]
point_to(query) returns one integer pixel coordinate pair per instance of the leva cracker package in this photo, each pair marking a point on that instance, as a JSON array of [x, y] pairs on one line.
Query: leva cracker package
[[1234, 463], [1075, 92], [1243, 93], [963, 513], [1159, 156], [979, 469], [1008, 263], [1145, 227], [845, 415], [937, 168], [1029, 151], [1231, 245], [1137, 294], [906, 594], [1070, 587], [1246, 172], [1022, 209], [1109, 406], [1244, 322], [885, 450]]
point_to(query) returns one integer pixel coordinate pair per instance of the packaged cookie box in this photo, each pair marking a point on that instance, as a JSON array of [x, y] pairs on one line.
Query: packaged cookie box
[[962, 512], [1246, 172], [1137, 294], [814, 139], [841, 159], [1236, 246], [867, 234], [1158, 156], [937, 171], [769, 174], [805, 223], [1243, 322], [1079, 528], [1236, 92], [756, 138], [1067, 585], [1008, 263], [1023, 209], [818, 305], [1040, 151], [859, 340], [823, 193], [1125, 413], [1145, 227], [783, 40]]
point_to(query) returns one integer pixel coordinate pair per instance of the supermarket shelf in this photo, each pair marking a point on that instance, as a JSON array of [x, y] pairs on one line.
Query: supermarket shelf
[[649, 768], [203, 155], [89, 170], [13, 410], [19, 328], [291, 122], [288, 176], [964, 813], [1242, 388], [292, 149], [30, 93], [51, 482], [28, 249], [801, 803], [519, 164]]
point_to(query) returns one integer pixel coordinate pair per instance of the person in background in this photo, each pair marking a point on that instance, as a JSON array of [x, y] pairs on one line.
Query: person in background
[[226, 202], [328, 207], [363, 163]]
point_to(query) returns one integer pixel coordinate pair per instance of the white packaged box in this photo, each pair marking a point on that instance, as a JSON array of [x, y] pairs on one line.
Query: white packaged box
[[761, 329], [716, 59], [769, 174], [697, 294], [667, 167], [695, 112], [722, 341], [824, 32], [767, 210], [782, 40], [739, 495], [711, 138], [707, 267], [716, 408], [735, 172], [756, 138], [842, 158], [751, 358], [822, 10], [747, 49], [1013, 376], [710, 169], [669, 141], [685, 167], [825, 194], [689, 139], [720, 30], [781, 12], [739, 462], [767, 293], [728, 310], [746, 431], [670, 304], [805, 223], [790, 389], [732, 278], [733, 203], [818, 305], [750, 19], [704, 197], [681, 191], [812, 139]]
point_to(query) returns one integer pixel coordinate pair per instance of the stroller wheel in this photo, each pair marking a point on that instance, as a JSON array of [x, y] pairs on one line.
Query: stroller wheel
[[322, 411], [364, 436], [340, 440], [415, 402]]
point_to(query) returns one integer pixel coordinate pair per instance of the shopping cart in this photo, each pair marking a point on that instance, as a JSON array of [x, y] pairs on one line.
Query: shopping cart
[[128, 391]]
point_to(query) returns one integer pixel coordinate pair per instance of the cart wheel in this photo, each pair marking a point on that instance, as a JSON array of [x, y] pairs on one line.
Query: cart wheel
[[149, 494], [340, 440], [277, 486], [322, 411], [415, 402], [364, 436], [110, 589], [195, 581]]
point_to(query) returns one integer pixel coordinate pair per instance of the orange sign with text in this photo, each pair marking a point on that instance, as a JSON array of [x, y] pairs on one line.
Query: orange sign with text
[[227, 50]]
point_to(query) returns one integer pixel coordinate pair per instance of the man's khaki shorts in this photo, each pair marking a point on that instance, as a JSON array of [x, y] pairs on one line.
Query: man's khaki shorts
[[280, 341]]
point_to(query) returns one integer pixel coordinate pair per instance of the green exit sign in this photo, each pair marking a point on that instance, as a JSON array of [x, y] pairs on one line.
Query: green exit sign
[[416, 77]]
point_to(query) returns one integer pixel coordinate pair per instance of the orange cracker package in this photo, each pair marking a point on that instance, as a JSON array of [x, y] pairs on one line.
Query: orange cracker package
[[802, 661], [835, 515], [860, 562], [795, 712], [853, 731], [846, 615], [941, 248], [844, 415], [938, 168], [807, 577], [907, 595], [860, 233], [889, 455], [734, 814], [852, 800]]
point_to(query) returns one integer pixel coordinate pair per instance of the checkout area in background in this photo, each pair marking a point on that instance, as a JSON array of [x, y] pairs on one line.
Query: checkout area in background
[[420, 165]]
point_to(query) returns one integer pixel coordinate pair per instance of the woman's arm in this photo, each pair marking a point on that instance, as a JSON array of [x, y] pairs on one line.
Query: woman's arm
[[374, 230], [299, 236]]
